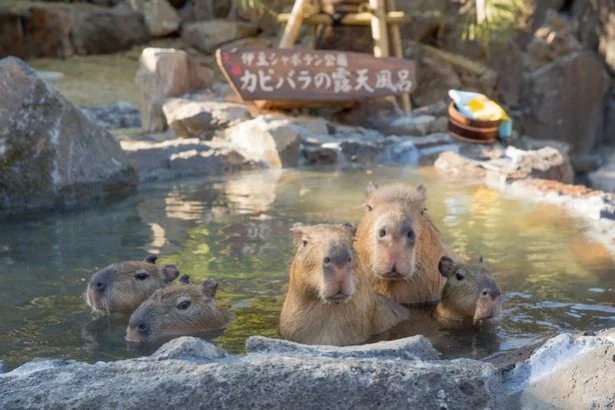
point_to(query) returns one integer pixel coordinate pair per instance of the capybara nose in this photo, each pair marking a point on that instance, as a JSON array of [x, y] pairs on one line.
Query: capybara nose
[[141, 327], [408, 233], [493, 293], [383, 233]]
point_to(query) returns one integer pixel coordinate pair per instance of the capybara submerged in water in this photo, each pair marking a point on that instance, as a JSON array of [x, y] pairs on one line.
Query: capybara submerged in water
[[399, 246], [330, 300], [470, 294], [180, 309], [123, 286]]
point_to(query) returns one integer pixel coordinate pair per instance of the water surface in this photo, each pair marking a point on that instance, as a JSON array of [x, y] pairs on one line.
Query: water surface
[[236, 230]]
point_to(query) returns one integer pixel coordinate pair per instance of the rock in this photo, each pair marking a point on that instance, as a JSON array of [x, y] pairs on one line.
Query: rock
[[565, 100], [604, 178], [411, 348], [328, 153], [107, 31], [198, 10], [189, 348], [121, 114], [532, 144], [609, 120], [258, 380], [268, 139], [47, 33], [11, 34], [263, 17], [412, 125], [375, 114], [434, 78], [551, 41], [207, 36], [165, 73], [515, 164], [202, 118], [50, 154], [416, 151], [595, 21], [160, 17], [508, 61], [185, 157], [566, 372]]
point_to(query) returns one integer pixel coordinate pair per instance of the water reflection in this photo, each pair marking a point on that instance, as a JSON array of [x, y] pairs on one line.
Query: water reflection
[[237, 231]]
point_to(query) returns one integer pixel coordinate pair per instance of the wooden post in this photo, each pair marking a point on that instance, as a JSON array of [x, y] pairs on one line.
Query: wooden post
[[315, 8], [397, 48], [291, 31], [379, 28]]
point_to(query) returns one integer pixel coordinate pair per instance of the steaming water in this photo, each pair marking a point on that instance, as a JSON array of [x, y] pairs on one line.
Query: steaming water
[[235, 230]]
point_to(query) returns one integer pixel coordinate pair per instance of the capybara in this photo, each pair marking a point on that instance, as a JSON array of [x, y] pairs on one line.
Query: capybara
[[399, 246], [180, 309], [123, 286], [470, 294], [330, 300]]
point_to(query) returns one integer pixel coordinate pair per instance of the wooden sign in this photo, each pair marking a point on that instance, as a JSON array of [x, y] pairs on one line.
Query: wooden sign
[[314, 75]]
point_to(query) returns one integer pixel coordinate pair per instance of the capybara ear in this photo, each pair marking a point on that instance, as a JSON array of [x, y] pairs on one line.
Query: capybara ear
[[351, 228], [370, 188], [185, 279], [297, 232], [151, 259], [170, 273], [421, 190], [209, 288], [446, 266], [481, 259]]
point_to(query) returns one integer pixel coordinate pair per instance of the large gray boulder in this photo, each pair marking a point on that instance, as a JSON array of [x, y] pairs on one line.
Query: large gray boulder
[[565, 100], [50, 154], [595, 21], [201, 377]]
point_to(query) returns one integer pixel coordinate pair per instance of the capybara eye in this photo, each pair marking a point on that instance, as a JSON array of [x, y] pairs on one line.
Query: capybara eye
[[327, 260], [183, 305], [459, 276], [382, 233], [141, 276], [349, 259], [484, 293], [410, 234]]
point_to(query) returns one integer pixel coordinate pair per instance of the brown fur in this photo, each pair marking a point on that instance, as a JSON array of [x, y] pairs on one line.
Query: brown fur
[[399, 209], [123, 286], [180, 309], [469, 295], [308, 316]]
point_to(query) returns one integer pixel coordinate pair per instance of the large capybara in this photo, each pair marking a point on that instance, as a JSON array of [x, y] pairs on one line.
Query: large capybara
[[399, 246], [181, 309], [330, 300], [123, 286], [469, 296]]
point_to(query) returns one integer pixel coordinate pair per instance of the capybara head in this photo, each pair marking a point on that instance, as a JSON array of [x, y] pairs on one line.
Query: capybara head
[[123, 286], [389, 231], [470, 291], [181, 309], [323, 264]]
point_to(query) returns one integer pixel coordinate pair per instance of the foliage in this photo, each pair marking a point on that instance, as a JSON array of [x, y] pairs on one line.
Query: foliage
[[259, 6], [489, 21]]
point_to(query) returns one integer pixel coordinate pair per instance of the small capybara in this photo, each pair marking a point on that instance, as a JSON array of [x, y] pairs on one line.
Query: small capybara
[[330, 300], [123, 286], [177, 310], [470, 294], [399, 246]]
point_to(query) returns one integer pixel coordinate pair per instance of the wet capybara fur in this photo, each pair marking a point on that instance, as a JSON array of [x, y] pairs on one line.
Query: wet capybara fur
[[399, 246], [330, 300], [470, 294], [178, 310], [123, 286]]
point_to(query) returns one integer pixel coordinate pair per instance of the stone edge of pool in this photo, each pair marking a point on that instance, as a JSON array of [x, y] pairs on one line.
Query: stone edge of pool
[[567, 371]]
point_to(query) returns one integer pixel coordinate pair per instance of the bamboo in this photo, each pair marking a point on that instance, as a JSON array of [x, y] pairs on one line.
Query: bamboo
[[379, 28], [397, 49], [291, 31], [460, 61], [358, 19]]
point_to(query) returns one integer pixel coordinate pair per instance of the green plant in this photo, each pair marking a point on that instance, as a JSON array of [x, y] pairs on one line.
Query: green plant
[[258, 5], [488, 21]]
